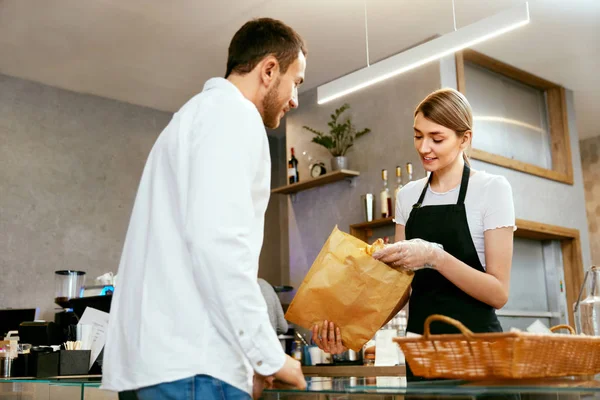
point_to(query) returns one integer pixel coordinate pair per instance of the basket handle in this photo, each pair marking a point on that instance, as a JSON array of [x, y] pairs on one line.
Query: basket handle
[[450, 321], [568, 327]]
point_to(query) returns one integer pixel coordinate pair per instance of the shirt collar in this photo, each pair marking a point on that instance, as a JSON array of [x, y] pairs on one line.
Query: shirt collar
[[223, 84]]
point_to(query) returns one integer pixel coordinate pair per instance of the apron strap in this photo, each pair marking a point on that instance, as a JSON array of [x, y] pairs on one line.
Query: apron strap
[[464, 183], [420, 202]]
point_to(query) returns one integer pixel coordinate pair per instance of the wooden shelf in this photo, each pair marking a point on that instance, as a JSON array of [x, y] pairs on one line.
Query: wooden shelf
[[364, 230], [320, 181], [376, 223]]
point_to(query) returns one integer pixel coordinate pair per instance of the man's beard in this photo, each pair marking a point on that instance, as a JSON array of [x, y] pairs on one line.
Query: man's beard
[[272, 107]]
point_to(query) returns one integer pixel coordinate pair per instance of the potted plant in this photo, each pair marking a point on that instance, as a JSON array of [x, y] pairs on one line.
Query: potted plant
[[340, 138]]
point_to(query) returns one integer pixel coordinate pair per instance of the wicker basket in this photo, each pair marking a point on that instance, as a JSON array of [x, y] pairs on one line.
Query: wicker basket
[[472, 356]]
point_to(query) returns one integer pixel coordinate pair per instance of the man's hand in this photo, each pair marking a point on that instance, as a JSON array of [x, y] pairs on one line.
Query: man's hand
[[291, 373], [261, 383]]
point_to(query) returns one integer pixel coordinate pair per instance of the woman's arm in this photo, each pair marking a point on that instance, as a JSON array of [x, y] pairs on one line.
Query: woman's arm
[[400, 234], [492, 286]]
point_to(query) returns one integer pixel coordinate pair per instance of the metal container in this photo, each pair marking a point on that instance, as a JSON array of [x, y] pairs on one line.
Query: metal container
[[5, 366], [368, 201], [338, 163]]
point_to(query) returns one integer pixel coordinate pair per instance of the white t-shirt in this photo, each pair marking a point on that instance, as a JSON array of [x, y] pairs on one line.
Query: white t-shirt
[[489, 204]]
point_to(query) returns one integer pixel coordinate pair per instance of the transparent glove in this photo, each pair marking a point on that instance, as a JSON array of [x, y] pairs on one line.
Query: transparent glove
[[411, 254]]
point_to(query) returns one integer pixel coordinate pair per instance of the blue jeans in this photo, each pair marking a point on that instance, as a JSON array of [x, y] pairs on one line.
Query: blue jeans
[[199, 387]]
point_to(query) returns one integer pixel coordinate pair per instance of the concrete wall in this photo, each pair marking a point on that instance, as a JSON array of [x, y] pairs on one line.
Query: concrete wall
[[69, 169]]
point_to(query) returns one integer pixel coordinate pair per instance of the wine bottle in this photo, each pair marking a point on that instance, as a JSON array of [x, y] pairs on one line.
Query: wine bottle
[[293, 175], [385, 197], [409, 171], [398, 185]]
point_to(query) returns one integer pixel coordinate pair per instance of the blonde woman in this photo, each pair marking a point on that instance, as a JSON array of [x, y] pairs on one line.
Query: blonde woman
[[454, 228]]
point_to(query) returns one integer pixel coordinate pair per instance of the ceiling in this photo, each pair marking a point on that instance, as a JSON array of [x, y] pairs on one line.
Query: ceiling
[[158, 53]]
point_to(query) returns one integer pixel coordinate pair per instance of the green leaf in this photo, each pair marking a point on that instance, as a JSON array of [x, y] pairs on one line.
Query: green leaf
[[324, 141], [316, 132], [364, 131]]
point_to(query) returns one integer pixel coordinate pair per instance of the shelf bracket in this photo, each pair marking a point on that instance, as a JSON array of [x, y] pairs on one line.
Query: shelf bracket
[[293, 198], [351, 181]]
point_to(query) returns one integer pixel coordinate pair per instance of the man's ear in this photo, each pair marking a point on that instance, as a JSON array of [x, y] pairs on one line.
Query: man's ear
[[269, 69]]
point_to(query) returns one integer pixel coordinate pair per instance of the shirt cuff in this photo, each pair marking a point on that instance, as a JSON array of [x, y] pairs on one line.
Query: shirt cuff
[[263, 350]]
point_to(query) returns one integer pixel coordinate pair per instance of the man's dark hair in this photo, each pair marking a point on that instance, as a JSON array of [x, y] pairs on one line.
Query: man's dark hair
[[259, 38]]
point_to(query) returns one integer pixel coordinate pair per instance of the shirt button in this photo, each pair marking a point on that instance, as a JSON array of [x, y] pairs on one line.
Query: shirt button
[[259, 363]]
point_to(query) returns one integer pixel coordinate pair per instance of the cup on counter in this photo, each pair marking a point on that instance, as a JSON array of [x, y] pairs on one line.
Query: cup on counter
[[368, 203], [315, 355], [325, 357]]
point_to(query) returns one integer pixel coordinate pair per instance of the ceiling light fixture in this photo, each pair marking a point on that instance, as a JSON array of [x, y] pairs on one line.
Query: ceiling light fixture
[[432, 50]]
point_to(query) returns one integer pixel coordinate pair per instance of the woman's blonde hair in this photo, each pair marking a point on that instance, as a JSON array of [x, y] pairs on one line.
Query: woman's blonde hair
[[449, 108]]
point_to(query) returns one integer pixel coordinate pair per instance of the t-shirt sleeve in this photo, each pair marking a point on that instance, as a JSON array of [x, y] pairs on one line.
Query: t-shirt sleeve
[[500, 209], [401, 213]]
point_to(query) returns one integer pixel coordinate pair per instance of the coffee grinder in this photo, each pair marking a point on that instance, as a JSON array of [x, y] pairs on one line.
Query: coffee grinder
[[68, 285]]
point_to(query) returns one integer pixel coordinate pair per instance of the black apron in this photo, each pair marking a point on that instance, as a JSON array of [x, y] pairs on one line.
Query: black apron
[[432, 293]]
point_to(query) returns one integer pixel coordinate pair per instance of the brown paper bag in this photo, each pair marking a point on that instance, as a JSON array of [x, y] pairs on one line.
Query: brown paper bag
[[349, 288]]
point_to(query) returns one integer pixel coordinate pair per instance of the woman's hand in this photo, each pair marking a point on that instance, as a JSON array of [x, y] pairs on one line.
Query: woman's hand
[[329, 338], [411, 254]]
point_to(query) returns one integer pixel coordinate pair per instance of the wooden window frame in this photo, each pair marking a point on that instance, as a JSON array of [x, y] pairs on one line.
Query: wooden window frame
[[562, 165], [569, 238]]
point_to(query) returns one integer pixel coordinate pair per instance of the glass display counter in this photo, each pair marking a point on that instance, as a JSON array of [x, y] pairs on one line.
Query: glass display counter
[[338, 388]]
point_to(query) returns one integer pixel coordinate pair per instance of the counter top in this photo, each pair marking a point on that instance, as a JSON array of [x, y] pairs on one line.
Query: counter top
[[396, 385]]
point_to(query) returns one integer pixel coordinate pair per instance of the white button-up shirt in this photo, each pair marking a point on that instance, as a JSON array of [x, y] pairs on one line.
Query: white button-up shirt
[[187, 300]]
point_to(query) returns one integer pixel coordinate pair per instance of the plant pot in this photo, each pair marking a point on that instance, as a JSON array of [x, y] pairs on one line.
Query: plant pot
[[338, 163]]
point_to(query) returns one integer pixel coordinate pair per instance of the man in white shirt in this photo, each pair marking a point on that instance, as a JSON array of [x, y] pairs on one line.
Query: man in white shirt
[[188, 320]]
